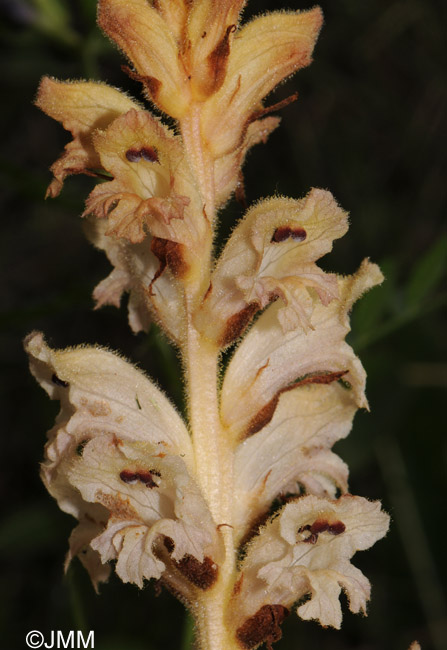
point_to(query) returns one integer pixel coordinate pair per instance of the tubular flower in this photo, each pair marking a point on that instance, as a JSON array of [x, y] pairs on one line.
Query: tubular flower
[[243, 509]]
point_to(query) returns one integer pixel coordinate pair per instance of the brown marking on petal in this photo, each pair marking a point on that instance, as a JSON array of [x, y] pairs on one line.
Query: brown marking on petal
[[169, 544], [285, 232], [262, 417], [318, 378], [218, 60], [265, 414], [58, 381], [264, 626], [237, 323], [336, 528], [171, 254], [146, 153], [202, 574], [118, 507], [312, 538], [235, 91], [321, 526], [133, 155], [144, 476], [238, 585], [265, 479], [219, 526], [149, 153], [97, 409], [151, 84], [117, 442], [208, 291], [239, 193]]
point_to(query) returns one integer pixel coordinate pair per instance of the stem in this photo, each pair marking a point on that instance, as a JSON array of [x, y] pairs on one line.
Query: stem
[[214, 469], [213, 450], [199, 158]]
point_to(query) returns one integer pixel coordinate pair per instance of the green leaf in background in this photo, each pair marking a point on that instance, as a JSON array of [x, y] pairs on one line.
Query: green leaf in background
[[53, 18], [371, 310], [427, 274], [29, 530]]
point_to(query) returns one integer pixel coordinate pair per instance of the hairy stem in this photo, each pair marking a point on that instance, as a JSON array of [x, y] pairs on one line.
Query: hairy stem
[[214, 467]]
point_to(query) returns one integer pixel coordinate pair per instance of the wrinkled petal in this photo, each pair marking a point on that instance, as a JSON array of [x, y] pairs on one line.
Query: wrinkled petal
[[148, 495], [267, 361], [294, 448], [141, 33], [153, 295], [272, 254], [82, 107], [79, 545], [150, 183], [307, 549], [263, 53]]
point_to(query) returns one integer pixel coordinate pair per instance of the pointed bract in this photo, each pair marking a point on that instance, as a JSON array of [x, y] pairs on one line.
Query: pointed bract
[[141, 33], [263, 53]]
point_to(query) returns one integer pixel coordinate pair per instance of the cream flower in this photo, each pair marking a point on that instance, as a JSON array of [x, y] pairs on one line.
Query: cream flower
[[120, 460], [272, 254], [306, 549]]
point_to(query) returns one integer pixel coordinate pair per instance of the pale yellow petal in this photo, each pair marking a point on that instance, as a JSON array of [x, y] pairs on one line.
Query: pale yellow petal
[[102, 393], [82, 107], [267, 360], [271, 254], [292, 450], [306, 549]]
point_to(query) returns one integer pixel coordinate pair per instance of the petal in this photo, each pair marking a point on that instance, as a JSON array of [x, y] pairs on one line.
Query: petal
[[272, 253], [142, 34], [153, 188], [307, 549], [267, 361], [82, 107], [136, 269], [79, 541], [102, 393], [294, 447], [263, 53], [148, 495], [210, 29], [227, 169]]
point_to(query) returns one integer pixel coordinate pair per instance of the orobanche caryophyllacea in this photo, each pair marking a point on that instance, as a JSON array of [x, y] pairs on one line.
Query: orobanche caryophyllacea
[[243, 510]]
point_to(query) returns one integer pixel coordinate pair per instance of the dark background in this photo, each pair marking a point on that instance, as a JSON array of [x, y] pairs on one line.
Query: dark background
[[367, 126]]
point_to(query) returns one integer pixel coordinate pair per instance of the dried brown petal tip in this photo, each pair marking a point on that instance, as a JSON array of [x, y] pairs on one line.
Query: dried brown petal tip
[[264, 626], [202, 574]]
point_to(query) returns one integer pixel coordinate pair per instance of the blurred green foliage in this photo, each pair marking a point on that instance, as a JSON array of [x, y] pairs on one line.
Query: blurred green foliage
[[368, 126]]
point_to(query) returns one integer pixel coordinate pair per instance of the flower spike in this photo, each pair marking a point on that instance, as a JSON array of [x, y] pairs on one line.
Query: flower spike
[[243, 509]]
